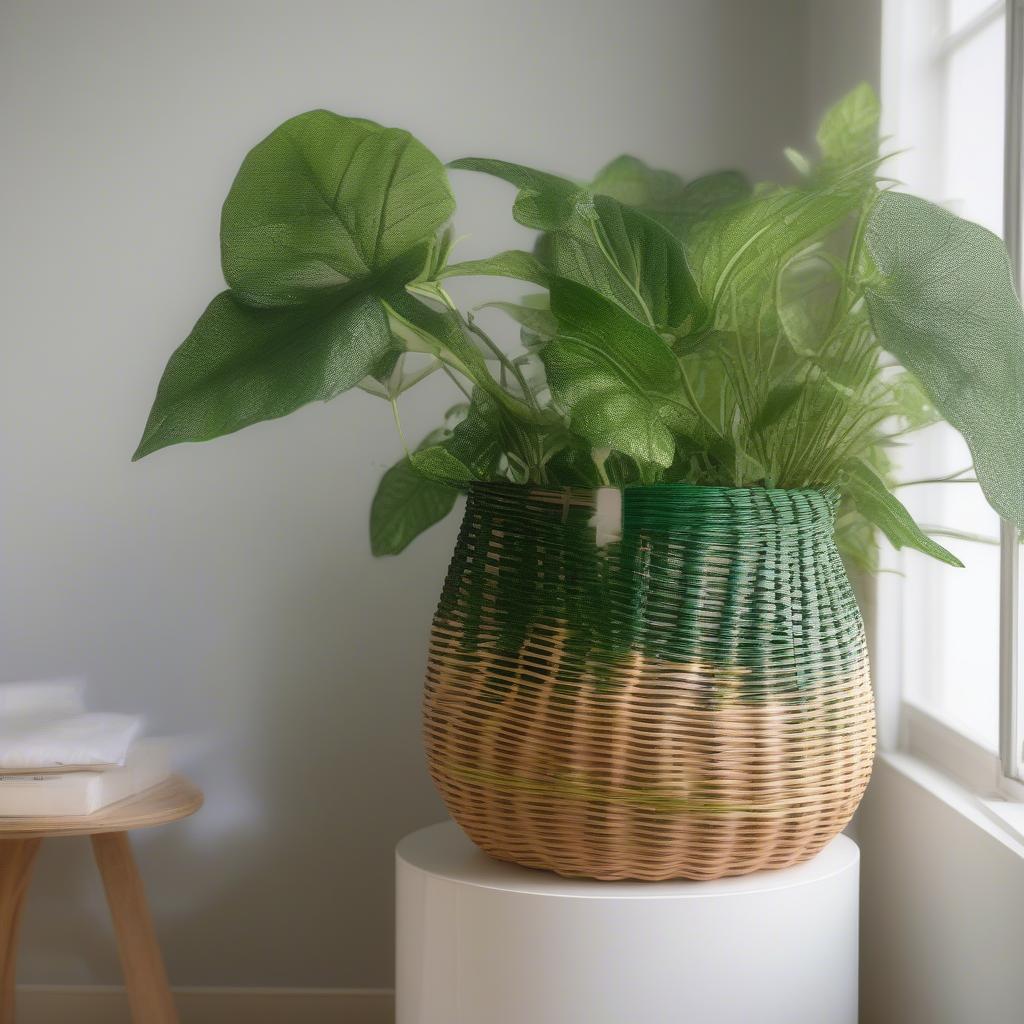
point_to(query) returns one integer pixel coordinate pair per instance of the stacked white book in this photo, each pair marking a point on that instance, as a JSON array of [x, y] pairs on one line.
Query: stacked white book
[[57, 759]]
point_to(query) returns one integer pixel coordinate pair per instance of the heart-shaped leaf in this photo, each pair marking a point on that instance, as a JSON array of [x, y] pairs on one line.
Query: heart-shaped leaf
[[325, 200], [545, 201], [630, 181], [943, 302], [472, 450], [701, 199], [605, 245], [737, 252], [664, 196], [616, 378], [241, 365], [631, 259], [489, 442], [326, 223], [848, 133], [406, 504]]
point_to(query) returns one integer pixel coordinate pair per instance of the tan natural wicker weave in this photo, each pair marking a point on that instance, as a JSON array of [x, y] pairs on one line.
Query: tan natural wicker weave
[[723, 725]]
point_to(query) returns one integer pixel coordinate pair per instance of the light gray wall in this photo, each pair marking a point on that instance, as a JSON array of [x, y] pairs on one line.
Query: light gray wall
[[227, 589], [942, 907], [842, 44]]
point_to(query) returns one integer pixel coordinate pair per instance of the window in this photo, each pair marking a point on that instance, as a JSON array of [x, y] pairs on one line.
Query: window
[[953, 94]]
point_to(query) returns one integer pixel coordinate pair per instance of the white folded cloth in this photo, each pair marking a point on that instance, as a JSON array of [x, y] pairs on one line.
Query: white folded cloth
[[43, 726]]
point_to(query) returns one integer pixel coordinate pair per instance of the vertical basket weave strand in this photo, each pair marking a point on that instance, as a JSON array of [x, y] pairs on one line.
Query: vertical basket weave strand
[[690, 701]]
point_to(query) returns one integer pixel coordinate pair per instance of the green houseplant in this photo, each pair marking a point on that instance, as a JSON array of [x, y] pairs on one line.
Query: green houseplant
[[736, 361]]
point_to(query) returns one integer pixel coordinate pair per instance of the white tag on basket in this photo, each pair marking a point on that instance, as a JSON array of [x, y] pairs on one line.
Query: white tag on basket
[[607, 518]]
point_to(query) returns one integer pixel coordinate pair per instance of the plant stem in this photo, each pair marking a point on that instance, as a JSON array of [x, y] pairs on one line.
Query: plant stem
[[942, 531], [504, 361], [398, 424], [953, 478], [455, 380], [692, 396]]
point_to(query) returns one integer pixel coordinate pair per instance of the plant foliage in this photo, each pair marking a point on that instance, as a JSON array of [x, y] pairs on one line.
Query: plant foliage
[[703, 331]]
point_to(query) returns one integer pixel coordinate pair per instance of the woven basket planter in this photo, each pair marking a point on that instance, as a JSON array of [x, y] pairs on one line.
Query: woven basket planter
[[690, 701]]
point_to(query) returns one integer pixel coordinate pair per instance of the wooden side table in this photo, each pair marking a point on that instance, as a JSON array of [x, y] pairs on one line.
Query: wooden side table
[[149, 994]]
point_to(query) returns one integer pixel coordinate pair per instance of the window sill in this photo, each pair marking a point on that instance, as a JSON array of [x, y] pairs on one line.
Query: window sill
[[1000, 818], [963, 773], [951, 750], [1008, 815]]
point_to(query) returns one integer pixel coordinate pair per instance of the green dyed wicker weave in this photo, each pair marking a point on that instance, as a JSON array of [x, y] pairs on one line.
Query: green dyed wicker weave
[[692, 700]]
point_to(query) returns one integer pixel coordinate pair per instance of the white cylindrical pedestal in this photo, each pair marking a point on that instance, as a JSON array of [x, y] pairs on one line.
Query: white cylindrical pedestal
[[482, 942]]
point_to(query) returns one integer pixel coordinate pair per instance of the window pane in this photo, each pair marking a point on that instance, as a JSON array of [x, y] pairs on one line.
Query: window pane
[[963, 12], [973, 137], [950, 662], [951, 655]]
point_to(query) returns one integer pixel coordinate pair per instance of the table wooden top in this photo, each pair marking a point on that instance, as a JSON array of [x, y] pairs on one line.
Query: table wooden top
[[172, 799]]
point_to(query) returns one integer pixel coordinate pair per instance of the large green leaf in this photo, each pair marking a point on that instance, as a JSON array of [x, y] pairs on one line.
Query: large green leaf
[[631, 259], [606, 245], [736, 253], [544, 201], [241, 365], [737, 247], [616, 378], [406, 504], [473, 449], [328, 219], [943, 302], [805, 298], [324, 200], [879, 506], [514, 263], [848, 133], [487, 435], [632, 182], [664, 196], [700, 199]]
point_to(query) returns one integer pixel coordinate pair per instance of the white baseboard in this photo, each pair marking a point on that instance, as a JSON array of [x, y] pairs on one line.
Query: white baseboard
[[72, 1004]]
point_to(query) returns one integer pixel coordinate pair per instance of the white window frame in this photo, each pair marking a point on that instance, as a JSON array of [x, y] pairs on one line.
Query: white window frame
[[1011, 704], [997, 778]]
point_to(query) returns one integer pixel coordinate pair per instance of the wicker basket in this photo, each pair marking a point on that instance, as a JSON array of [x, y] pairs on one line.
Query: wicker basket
[[691, 701]]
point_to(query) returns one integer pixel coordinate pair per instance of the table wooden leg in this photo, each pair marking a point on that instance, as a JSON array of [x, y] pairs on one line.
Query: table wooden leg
[[16, 859], [145, 978]]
